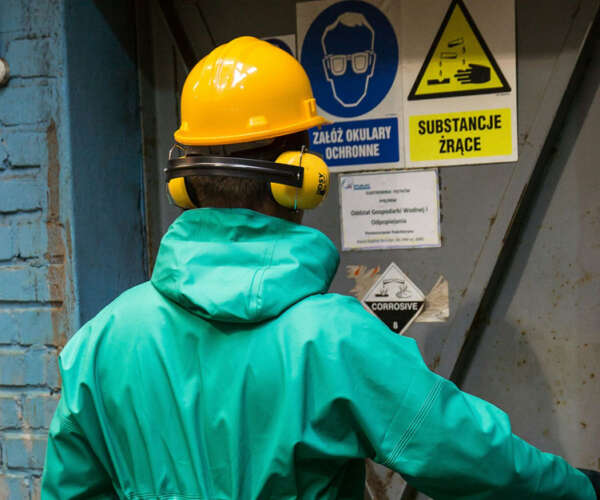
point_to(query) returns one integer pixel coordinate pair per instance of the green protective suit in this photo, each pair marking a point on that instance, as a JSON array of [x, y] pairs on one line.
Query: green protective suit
[[232, 374]]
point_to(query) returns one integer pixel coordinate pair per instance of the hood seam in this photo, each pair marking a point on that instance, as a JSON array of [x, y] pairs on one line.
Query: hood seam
[[261, 279]]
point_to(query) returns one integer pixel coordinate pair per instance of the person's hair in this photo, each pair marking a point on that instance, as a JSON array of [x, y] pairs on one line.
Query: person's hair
[[235, 192]]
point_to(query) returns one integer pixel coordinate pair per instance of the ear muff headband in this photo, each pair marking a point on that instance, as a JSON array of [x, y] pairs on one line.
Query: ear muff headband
[[291, 175]]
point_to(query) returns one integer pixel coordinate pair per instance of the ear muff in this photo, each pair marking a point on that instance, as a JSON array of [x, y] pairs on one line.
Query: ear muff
[[305, 174], [315, 184], [179, 193]]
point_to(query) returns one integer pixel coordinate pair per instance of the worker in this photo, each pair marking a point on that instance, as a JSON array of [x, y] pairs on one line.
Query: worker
[[232, 373]]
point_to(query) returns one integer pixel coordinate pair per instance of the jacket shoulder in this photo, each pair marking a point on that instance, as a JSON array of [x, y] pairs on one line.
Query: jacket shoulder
[[128, 312], [336, 317], [328, 299], [334, 307]]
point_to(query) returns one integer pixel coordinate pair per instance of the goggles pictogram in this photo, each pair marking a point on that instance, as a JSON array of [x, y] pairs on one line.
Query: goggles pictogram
[[338, 63]]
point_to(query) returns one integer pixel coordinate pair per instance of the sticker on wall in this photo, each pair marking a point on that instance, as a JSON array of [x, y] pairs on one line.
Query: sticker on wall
[[284, 42], [390, 210], [350, 51], [437, 303], [394, 299], [459, 61], [459, 72]]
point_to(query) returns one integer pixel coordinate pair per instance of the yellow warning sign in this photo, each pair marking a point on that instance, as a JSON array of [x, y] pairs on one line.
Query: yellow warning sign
[[459, 62], [468, 134]]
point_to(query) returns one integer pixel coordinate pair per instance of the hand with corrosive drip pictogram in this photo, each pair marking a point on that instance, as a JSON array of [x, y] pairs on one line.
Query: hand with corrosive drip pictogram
[[476, 73]]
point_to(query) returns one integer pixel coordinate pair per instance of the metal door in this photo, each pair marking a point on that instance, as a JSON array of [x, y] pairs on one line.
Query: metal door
[[521, 241]]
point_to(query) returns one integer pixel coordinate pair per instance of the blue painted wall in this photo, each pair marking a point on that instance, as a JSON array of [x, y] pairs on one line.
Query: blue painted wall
[[106, 149], [70, 195]]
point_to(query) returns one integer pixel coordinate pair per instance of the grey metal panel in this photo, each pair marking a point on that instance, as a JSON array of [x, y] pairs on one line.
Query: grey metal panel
[[478, 203], [532, 138], [539, 356]]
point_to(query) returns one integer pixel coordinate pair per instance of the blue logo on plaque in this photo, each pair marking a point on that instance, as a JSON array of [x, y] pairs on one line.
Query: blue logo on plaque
[[350, 53]]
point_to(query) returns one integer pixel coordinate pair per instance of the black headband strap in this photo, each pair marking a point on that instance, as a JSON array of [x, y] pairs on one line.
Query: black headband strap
[[280, 173]]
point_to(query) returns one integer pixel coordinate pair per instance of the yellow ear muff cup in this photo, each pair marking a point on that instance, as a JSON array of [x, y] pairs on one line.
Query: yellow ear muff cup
[[179, 194], [314, 187]]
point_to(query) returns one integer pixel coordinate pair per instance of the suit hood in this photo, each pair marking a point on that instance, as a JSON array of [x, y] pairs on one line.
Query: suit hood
[[237, 265]]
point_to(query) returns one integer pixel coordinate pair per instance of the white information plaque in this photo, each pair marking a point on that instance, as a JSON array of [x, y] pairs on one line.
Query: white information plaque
[[390, 210]]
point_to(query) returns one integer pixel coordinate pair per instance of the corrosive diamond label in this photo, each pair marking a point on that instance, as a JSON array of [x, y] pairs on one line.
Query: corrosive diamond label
[[394, 299]]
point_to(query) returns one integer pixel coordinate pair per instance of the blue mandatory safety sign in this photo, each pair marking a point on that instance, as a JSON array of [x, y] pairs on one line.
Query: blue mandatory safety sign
[[357, 142], [281, 44], [350, 53]]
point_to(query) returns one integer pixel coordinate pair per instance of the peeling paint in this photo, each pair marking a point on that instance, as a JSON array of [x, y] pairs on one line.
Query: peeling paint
[[55, 251], [437, 303], [364, 278]]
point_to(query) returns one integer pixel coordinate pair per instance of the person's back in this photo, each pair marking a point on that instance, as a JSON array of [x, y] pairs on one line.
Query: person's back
[[188, 406], [232, 374]]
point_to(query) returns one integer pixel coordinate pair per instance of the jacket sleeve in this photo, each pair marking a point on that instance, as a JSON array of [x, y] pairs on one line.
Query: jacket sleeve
[[459, 446], [72, 470], [446, 443], [76, 456]]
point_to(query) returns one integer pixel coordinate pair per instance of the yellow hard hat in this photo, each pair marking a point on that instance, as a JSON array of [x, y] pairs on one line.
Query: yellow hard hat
[[244, 91]]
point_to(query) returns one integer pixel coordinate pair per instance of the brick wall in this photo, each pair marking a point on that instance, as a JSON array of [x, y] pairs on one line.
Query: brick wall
[[35, 270]]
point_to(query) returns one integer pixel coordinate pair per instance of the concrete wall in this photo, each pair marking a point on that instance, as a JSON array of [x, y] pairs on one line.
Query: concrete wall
[[70, 188]]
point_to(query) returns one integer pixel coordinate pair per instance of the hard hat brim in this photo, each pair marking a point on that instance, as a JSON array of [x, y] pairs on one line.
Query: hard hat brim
[[184, 137]]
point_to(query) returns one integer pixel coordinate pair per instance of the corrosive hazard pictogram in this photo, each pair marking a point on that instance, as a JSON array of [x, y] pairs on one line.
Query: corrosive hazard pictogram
[[394, 299], [459, 61]]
